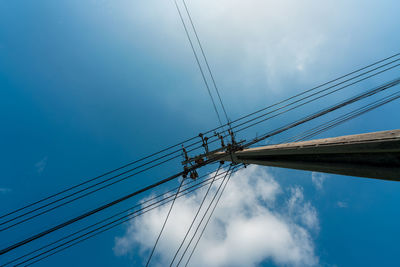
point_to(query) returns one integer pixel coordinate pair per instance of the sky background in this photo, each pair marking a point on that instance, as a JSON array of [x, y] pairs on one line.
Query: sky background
[[86, 86]]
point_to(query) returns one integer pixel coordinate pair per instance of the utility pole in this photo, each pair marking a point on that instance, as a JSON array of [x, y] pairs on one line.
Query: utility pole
[[372, 155]]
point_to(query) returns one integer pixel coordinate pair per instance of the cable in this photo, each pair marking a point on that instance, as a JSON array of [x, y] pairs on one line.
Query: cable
[[195, 217], [87, 214], [97, 177], [325, 111], [198, 185], [302, 104], [254, 141], [346, 117], [162, 228], [309, 101], [197, 228], [198, 62], [119, 222], [206, 61], [90, 236], [354, 113], [79, 197], [310, 90], [208, 220], [68, 189], [226, 135], [88, 187]]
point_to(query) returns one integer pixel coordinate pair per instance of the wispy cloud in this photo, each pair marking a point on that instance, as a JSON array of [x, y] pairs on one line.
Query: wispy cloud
[[302, 210], [342, 204], [318, 179], [5, 190], [264, 47], [41, 165], [250, 225]]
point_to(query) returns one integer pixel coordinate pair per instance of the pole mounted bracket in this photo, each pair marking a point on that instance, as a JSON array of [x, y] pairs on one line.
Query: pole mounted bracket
[[188, 161], [204, 140], [221, 138], [213, 155]]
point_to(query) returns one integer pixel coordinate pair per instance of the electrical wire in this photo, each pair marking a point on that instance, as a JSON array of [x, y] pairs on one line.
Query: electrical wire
[[342, 118], [95, 178], [208, 220], [79, 197], [310, 90], [206, 61], [254, 141], [325, 111], [163, 226], [309, 101], [302, 104], [87, 214], [198, 61], [188, 188], [195, 217], [208, 207], [73, 187], [324, 127], [346, 117], [109, 226]]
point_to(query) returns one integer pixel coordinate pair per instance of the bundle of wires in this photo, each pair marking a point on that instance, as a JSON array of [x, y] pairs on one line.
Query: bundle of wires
[[88, 187]]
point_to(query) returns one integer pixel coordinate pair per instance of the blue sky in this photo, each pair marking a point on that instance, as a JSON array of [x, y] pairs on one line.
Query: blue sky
[[86, 86]]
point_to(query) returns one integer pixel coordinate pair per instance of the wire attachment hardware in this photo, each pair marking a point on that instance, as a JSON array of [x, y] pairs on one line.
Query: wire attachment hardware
[[221, 138], [233, 147], [194, 174], [204, 139], [185, 167]]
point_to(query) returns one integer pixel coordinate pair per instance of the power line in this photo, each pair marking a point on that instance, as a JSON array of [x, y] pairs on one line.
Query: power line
[[337, 121], [254, 141], [324, 127], [110, 225], [307, 102], [325, 111], [346, 117], [316, 98], [208, 220], [317, 87], [79, 197], [163, 226], [343, 118], [195, 217], [206, 61], [73, 187], [188, 188], [97, 177], [198, 62], [369, 106], [87, 214], [363, 109], [208, 207]]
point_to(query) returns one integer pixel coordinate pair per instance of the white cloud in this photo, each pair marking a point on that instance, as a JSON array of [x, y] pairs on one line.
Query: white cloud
[[41, 165], [342, 204], [318, 179], [258, 48], [255, 221], [303, 211]]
